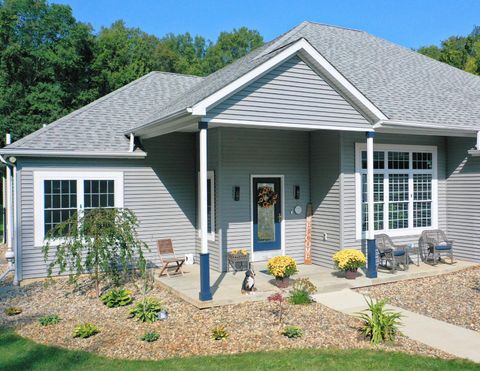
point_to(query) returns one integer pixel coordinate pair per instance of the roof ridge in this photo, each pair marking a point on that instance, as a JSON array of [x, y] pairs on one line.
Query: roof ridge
[[78, 111], [178, 74], [334, 26]]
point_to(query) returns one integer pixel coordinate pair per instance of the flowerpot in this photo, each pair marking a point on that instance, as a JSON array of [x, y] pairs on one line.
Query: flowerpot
[[351, 274], [282, 282]]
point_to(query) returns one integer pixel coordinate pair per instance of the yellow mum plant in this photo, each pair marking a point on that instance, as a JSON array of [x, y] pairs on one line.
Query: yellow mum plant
[[282, 266], [349, 259]]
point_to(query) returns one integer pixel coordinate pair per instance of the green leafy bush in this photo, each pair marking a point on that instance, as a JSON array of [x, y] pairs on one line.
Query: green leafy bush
[[301, 292], [12, 311], [292, 332], [85, 330], [146, 310], [379, 324], [150, 337], [50, 319], [117, 298], [299, 297], [220, 333]]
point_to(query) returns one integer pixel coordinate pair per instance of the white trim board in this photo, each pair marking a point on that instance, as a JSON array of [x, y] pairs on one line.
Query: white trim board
[[359, 147], [69, 174], [265, 255]]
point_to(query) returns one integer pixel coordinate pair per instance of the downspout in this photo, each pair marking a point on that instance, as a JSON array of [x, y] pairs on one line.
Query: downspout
[[10, 201]]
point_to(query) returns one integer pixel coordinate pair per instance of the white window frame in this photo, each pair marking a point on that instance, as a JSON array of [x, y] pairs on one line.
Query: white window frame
[[78, 175], [211, 177], [359, 147]]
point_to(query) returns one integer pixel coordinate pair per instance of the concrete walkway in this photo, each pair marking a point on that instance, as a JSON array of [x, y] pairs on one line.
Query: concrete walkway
[[452, 339]]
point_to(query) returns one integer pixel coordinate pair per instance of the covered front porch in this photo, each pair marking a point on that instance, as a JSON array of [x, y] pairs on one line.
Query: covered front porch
[[226, 286]]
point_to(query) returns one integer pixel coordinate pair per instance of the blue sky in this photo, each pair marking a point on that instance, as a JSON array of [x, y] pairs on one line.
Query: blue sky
[[411, 23]]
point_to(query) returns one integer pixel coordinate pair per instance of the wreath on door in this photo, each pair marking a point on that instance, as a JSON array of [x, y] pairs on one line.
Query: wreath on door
[[266, 197]]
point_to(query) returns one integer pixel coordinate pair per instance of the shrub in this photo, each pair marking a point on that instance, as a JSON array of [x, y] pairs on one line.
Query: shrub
[[299, 297], [12, 311], [220, 333], [292, 332], [146, 310], [85, 330], [379, 324], [51, 319], [150, 337], [279, 300], [349, 259], [282, 266], [117, 298]]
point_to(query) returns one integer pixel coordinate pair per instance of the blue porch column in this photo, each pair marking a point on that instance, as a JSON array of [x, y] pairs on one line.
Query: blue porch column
[[371, 248], [205, 292]]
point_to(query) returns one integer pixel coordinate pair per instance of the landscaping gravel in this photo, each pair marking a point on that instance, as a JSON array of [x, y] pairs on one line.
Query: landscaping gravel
[[253, 326], [453, 297]]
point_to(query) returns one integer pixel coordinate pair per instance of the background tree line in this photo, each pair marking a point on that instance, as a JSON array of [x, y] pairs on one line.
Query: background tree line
[[51, 64]]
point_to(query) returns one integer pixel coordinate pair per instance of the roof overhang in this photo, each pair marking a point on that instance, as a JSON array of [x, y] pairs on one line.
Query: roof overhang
[[72, 154], [424, 128], [185, 117]]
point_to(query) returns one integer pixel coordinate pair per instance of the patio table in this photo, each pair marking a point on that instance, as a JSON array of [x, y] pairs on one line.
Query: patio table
[[414, 249]]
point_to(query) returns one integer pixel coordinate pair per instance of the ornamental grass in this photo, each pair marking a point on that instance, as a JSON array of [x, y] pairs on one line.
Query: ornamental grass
[[349, 259], [282, 266]]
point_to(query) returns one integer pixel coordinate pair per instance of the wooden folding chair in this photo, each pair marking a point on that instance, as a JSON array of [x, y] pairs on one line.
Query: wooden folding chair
[[167, 256]]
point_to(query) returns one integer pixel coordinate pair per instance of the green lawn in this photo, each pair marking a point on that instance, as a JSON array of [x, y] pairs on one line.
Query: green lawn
[[17, 353]]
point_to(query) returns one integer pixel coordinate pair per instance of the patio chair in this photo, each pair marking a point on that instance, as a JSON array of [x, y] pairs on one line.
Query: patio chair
[[167, 257], [433, 244], [390, 253]]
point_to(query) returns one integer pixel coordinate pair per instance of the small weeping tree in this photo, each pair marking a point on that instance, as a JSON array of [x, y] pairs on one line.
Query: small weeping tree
[[102, 242]]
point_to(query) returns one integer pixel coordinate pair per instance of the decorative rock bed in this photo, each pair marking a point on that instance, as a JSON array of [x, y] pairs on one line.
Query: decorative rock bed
[[187, 332], [453, 297]]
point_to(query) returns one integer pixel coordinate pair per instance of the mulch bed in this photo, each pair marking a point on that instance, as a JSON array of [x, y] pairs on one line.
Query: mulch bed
[[253, 326], [453, 297]]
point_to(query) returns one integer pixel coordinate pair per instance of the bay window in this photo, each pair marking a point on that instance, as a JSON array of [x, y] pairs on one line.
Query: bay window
[[58, 195], [404, 188]]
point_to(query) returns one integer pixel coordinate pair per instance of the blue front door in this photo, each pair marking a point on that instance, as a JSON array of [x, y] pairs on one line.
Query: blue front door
[[267, 214]]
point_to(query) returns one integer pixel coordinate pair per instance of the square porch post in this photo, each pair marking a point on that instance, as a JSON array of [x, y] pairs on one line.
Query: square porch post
[[371, 247], [205, 292]]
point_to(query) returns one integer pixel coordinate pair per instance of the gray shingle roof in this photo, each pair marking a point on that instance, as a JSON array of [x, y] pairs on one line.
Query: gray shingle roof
[[403, 84], [100, 126]]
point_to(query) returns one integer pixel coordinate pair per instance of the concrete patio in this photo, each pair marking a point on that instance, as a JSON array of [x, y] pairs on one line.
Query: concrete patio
[[226, 286]]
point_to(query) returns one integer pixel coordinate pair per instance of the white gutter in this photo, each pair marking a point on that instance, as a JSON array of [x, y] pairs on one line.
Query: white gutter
[[172, 116], [84, 154], [384, 124]]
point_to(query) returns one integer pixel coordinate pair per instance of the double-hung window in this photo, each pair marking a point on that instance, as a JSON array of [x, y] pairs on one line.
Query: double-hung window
[[58, 195], [404, 189]]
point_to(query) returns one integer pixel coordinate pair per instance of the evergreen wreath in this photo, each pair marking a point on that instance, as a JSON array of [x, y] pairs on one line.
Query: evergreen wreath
[[266, 197]]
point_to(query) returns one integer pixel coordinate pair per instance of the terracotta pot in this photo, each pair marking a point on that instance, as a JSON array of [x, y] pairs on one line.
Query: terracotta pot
[[351, 274], [282, 282]]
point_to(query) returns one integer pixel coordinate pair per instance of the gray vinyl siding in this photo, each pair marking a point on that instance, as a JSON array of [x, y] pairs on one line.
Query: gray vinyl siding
[[325, 195], [262, 152], [347, 143], [463, 205], [291, 93], [160, 190]]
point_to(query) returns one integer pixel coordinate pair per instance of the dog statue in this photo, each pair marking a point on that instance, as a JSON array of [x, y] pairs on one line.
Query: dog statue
[[248, 285]]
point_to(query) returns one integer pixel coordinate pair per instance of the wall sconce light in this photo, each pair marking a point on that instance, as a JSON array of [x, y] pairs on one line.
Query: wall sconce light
[[236, 193], [296, 192]]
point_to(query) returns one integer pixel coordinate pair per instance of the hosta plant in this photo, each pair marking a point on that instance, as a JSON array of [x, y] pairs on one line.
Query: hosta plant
[[150, 337], [379, 324], [220, 333], [282, 266], [349, 259], [85, 330], [147, 310], [117, 298], [12, 311], [292, 332], [50, 319]]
